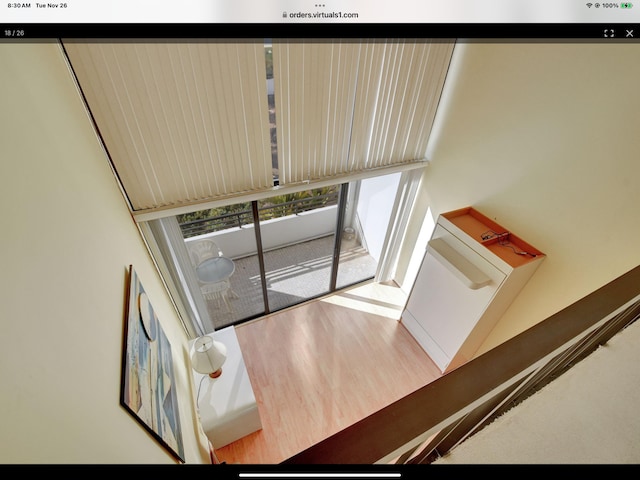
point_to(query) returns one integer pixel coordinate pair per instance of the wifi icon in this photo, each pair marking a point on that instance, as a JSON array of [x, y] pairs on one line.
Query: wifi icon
[[589, 5]]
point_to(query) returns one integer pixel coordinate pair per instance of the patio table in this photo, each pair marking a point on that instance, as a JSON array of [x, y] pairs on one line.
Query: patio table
[[215, 269]]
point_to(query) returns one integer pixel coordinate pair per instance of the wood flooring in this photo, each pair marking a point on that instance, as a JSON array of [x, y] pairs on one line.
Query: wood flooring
[[322, 366]]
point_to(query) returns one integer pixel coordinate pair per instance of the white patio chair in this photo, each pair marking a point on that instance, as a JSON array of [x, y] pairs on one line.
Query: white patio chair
[[202, 250], [218, 292]]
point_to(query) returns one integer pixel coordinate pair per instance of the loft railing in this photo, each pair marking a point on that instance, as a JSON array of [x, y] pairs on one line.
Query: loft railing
[[429, 422], [245, 217]]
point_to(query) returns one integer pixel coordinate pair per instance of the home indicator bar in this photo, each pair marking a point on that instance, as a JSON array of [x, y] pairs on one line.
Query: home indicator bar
[[319, 475]]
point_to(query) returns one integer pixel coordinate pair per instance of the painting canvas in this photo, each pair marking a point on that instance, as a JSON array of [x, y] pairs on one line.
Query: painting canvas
[[148, 386]]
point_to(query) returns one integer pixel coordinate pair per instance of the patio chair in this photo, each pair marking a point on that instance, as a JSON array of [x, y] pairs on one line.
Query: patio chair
[[202, 250], [218, 292]]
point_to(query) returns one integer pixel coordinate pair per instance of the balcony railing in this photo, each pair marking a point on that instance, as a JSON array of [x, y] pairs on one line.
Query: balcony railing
[[245, 217]]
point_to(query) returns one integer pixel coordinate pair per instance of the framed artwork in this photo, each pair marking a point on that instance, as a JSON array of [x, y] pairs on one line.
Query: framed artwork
[[148, 387]]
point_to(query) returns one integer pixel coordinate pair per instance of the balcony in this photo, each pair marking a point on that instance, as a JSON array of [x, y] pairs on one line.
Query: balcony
[[298, 255]]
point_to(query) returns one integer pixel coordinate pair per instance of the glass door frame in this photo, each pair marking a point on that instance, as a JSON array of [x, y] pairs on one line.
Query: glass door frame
[[170, 254]]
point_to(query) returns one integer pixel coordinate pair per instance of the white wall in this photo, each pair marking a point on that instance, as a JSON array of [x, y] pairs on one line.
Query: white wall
[[67, 240], [543, 138]]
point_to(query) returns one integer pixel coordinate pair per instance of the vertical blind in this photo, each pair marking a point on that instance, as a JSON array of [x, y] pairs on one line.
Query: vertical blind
[[182, 122], [188, 122], [345, 107]]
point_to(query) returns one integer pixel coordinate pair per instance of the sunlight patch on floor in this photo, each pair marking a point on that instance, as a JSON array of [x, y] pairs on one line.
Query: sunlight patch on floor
[[374, 298]]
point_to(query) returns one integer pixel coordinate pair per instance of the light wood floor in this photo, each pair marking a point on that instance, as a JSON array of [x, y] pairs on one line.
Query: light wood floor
[[322, 366]]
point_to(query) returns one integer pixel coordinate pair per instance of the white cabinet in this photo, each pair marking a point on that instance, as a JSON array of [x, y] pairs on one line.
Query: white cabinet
[[472, 270], [227, 405]]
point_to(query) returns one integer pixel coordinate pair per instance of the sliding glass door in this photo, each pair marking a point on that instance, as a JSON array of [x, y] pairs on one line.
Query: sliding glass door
[[298, 238], [232, 229], [280, 251]]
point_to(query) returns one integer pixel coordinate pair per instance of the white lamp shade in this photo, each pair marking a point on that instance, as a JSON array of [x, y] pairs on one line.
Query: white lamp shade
[[207, 355]]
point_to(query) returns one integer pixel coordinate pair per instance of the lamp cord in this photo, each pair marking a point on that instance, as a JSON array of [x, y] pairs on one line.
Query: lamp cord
[[198, 394], [214, 457]]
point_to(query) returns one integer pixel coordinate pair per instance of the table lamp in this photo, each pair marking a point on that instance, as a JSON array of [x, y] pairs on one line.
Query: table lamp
[[208, 356]]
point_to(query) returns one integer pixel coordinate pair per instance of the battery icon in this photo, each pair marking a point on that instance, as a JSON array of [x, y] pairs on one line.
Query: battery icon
[[626, 5]]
